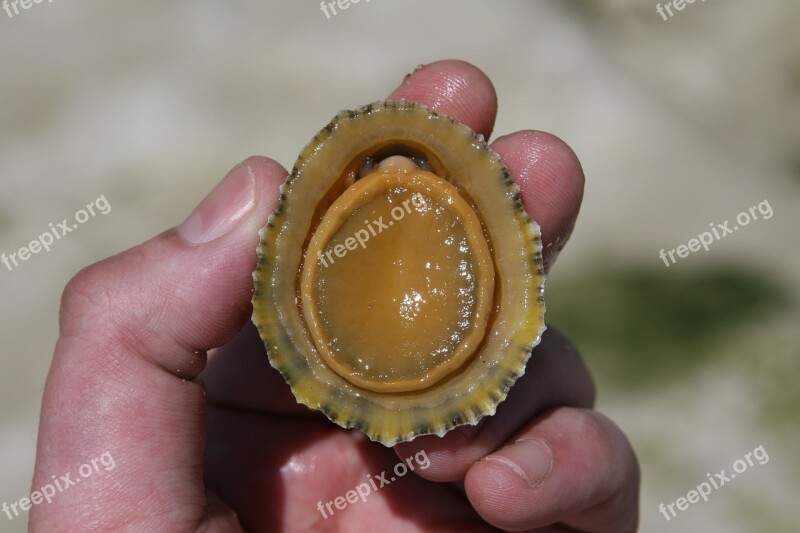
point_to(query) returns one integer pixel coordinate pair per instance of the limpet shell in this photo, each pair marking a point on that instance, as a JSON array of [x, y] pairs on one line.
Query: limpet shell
[[399, 286]]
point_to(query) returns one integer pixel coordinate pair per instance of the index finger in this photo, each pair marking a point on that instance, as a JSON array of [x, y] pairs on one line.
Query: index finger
[[454, 88]]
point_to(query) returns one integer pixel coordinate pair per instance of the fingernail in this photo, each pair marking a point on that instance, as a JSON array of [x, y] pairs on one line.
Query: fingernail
[[223, 208], [530, 459]]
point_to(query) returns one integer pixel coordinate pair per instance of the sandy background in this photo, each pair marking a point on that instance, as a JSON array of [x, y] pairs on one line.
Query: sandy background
[[678, 124]]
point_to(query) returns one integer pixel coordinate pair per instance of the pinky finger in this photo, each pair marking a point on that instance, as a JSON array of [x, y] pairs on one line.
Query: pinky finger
[[571, 467]]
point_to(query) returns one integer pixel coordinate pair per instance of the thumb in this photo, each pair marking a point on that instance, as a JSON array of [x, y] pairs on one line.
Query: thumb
[[134, 333]]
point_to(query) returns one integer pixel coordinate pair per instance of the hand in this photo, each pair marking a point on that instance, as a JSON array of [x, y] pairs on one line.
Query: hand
[[128, 372]]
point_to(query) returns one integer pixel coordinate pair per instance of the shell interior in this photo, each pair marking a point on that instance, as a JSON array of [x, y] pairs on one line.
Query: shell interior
[[399, 286]]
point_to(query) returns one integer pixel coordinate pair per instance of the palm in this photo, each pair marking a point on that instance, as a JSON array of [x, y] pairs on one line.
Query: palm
[[275, 461]]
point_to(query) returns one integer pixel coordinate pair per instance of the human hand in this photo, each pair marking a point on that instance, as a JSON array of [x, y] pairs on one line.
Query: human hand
[[130, 366]]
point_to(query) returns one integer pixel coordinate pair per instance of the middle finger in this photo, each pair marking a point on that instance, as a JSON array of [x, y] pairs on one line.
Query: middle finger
[[555, 376]]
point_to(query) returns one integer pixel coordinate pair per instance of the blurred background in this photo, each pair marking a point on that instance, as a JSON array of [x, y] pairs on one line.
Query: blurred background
[[679, 123]]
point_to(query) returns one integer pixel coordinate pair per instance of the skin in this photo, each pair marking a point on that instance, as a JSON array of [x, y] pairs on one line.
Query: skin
[[189, 431]]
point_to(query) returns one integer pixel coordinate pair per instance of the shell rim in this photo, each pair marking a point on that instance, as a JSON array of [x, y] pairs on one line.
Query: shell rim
[[469, 417]]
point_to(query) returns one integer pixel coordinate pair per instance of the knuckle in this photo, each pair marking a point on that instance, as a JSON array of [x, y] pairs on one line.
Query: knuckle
[[86, 298], [78, 293]]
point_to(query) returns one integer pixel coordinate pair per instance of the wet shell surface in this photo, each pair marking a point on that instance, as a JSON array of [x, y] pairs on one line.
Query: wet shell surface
[[399, 287]]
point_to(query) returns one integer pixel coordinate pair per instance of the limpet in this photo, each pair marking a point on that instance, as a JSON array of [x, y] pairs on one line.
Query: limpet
[[399, 286]]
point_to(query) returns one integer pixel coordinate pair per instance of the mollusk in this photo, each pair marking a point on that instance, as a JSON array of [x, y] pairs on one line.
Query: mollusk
[[399, 287]]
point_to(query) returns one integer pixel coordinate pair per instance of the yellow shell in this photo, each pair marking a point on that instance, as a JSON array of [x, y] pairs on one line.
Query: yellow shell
[[399, 287]]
